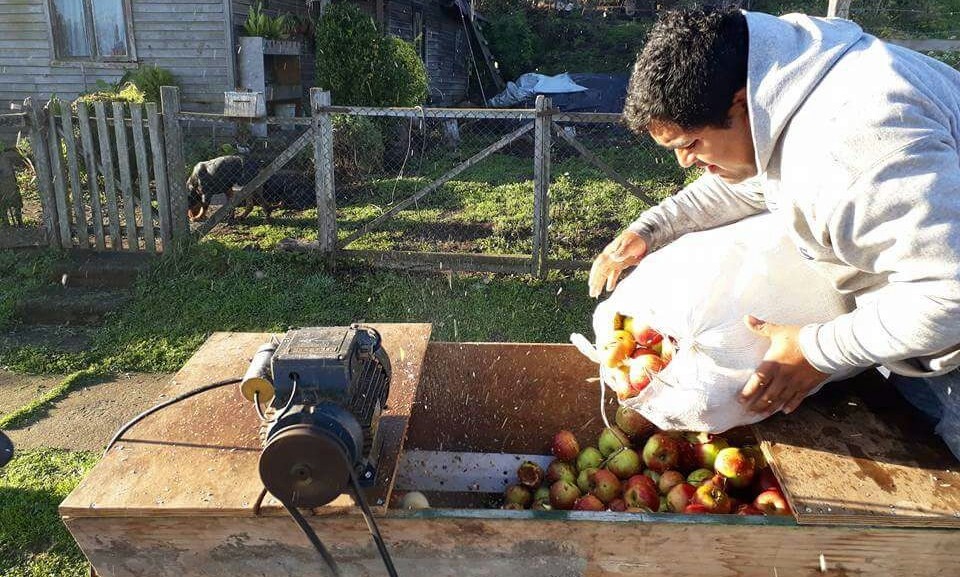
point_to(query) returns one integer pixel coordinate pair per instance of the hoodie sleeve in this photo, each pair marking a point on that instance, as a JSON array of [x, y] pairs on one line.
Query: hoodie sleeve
[[901, 220], [707, 202]]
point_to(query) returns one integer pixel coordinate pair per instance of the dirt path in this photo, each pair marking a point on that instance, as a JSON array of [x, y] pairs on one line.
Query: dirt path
[[87, 418], [18, 390]]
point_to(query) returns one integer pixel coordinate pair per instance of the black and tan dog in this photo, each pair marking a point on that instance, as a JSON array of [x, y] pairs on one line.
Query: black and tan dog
[[11, 202], [216, 176]]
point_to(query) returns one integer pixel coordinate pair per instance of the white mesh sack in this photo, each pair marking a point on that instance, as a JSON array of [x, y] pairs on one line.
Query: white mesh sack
[[697, 290]]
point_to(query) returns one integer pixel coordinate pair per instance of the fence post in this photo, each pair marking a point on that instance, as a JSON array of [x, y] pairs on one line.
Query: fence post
[[838, 9], [541, 186], [173, 146], [41, 157], [323, 172]]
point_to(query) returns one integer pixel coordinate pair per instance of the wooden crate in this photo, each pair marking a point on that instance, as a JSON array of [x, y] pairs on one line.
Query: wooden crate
[[176, 496]]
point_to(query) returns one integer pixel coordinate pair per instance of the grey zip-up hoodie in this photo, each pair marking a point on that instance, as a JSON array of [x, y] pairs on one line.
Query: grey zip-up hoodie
[[857, 152]]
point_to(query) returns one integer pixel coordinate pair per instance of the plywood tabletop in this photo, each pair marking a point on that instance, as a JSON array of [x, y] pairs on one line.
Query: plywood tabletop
[[199, 456]]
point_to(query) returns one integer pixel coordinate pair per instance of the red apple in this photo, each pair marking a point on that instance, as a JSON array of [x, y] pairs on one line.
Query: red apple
[[736, 466], [518, 494], [696, 509], [642, 495], [772, 502], [589, 458], [605, 485], [642, 368], [618, 505], [611, 440], [706, 447], [668, 480], [748, 509], [667, 350], [588, 503], [662, 452], [679, 497], [563, 494], [560, 470], [617, 349], [643, 334], [635, 425], [638, 479], [713, 498], [624, 464], [530, 474], [565, 446], [688, 457], [765, 479], [619, 382]]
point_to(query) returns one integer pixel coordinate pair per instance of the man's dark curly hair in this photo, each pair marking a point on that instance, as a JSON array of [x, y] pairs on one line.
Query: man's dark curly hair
[[689, 70]]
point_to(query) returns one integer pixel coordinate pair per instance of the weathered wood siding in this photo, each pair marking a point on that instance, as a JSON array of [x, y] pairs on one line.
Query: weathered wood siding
[[188, 37], [447, 47]]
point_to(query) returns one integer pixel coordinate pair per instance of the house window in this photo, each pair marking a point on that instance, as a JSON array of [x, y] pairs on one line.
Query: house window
[[90, 29], [419, 33]]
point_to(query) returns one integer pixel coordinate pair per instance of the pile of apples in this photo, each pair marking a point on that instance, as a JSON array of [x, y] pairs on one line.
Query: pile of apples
[[634, 353], [636, 468]]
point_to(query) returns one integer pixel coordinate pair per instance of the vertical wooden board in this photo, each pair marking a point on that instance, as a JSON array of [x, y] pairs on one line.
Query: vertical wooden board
[[857, 453], [93, 179], [143, 177], [324, 172], [41, 157], [126, 182], [109, 176], [173, 142], [59, 178], [541, 186], [80, 215], [160, 174]]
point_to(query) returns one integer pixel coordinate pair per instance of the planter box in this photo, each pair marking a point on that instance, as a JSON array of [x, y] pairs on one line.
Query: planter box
[[244, 104]]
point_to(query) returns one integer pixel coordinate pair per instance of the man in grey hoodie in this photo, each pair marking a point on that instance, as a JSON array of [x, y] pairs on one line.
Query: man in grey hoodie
[[853, 144]]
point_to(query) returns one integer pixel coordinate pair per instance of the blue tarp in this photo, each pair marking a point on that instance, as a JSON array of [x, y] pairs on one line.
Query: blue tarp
[[573, 92]]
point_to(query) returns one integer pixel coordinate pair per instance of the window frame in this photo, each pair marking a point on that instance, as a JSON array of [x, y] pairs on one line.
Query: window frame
[[95, 59]]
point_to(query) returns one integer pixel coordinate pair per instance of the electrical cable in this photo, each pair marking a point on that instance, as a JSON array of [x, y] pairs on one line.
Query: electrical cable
[[286, 408], [314, 540], [165, 404], [256, 403], [372, 525]]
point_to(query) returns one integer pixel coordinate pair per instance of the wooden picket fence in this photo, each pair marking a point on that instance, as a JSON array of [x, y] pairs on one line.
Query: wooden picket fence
[[103, 179]]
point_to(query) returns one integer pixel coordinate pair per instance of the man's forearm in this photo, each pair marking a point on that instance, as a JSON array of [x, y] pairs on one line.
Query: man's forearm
[[705, 203]]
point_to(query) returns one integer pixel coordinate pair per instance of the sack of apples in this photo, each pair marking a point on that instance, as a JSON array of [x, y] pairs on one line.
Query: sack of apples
[[671, 341]]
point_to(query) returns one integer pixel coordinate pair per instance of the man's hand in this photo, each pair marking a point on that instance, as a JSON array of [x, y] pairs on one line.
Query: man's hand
[[784, 378], [625, 251]]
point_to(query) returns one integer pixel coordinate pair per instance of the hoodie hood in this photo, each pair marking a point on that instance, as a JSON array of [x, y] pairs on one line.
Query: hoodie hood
[[788, 56]]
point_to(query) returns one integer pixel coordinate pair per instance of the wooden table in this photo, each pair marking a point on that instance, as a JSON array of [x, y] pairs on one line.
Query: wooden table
[[175, 497]]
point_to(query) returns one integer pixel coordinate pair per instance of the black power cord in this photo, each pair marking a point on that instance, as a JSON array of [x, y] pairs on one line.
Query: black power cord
[[314, 540], [372, 525], [166, 404]]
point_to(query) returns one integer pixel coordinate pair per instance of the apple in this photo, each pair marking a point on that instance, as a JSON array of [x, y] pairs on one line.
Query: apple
[[713, 498], [748, 509], [542, 504], [643, 334], [664, 505], [667, 350], [624, 464], [772, 502], [765, 479], [583, 479], [688, 457], [617, 349], [736, 466], [558, 470], [655, 476], [605, 485], [518, 494], [530, 474], [661, 452], [706, 447], [619, 382], [754, 452], [611, 440], [565, 446], [563, 494], [699, 477], [588, 503], [696, 509], [633, 424], [642, 368], [642, 495], [680, 496], [670, 479], [637, 479], [542, 492], [618, 505], [589, 458]]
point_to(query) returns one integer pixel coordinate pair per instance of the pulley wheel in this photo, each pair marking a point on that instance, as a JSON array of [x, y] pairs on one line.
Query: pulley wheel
[[305, 467]]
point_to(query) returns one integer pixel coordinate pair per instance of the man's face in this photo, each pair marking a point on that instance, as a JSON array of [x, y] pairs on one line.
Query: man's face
[[726, 152]]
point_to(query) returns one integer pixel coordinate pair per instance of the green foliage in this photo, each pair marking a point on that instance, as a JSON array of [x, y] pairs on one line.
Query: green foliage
[[357, 147], [586, 44], [21, 272], [361, 66], [33, 539], [260, 24], [129, 93], [148, 79], [514, 43], [948, 58]]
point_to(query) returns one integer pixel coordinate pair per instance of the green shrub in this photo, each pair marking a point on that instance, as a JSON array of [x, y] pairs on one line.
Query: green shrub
[[361, 66], [129, 94], [149, 79], [357, 147], [262, 25], [514, 44]]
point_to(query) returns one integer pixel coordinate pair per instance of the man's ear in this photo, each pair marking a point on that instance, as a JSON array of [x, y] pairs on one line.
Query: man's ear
[[739, 106]]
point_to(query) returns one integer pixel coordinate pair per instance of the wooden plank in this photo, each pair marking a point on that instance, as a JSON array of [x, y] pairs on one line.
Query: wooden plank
[[857, 453], [160, 175], [603, 166], [241, 196], [449, 175], [109, 182], [143, 177], [173, 145], [79, 211], [926, 44], [58, 175], [93, 180], [22, 237], [490, 543], [541, 187], [126, 181], [463, 113], [15, 120], [41, 157], [838, 9], [174, 464], [324, 173], [462, 471]]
